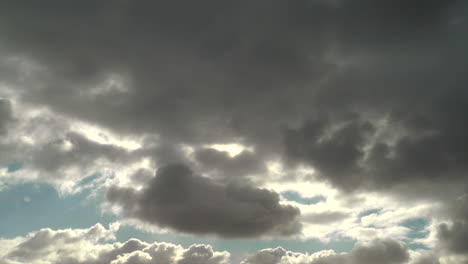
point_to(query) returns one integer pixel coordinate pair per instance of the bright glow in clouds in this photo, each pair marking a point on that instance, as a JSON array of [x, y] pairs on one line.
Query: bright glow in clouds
[[113, 83], [335, 122], [104, 136], [232, 149]]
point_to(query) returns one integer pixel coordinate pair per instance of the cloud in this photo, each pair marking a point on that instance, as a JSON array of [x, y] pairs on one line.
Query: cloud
[[43, 244], [92, 246], [178, 199], [371, 96], [451, 231], [74, 150], [377, 251], [325, 217], [80, 246], [453, 237], [308, 82], [425, 258], [334, 153], [201, 254], [5, 115], [46, 147], [220, 163]]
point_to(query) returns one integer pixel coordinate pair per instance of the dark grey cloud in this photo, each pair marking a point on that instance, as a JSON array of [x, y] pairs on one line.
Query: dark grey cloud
[[180, 200], [453, 237], [5, 115], [452, 233], [354, 156], [335, 153], [390, 25], [185, 62], [378, 251], [211, 72]]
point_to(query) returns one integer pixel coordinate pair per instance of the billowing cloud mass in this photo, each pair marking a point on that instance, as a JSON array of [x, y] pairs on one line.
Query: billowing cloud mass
[[89, 246], [378, 251], [363, 100], [178, 199], [366, 98], [370, 100], [93, 245], [452, 234]]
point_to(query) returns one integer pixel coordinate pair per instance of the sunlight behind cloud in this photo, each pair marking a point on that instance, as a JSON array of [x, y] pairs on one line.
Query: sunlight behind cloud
[[103, 136], [232, 149]]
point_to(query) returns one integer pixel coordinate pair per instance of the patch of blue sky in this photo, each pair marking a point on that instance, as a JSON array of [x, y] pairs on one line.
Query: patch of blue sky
[[89, 179], [296, 197], [418, 230], [369, 212], [14, 166], [29, 207]]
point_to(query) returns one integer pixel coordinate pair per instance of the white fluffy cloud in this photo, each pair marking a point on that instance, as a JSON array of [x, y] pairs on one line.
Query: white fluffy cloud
[[381, 251], [91, 246], [378, 251], [94, 246]]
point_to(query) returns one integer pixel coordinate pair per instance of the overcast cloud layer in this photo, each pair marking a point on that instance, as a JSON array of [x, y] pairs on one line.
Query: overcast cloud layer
[[185, 115]]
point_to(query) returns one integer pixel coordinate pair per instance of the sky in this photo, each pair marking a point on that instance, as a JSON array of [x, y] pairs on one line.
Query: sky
[[233, 132]]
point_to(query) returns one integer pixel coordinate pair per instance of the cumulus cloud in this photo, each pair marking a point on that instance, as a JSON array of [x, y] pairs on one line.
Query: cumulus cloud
[[377, 251], [44, 244], [178, 199], [80, 246], [92, 245]]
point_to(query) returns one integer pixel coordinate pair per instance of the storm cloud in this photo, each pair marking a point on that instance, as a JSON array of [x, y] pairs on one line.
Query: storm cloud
[[178, 199], [366, 96], [388, 94]]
